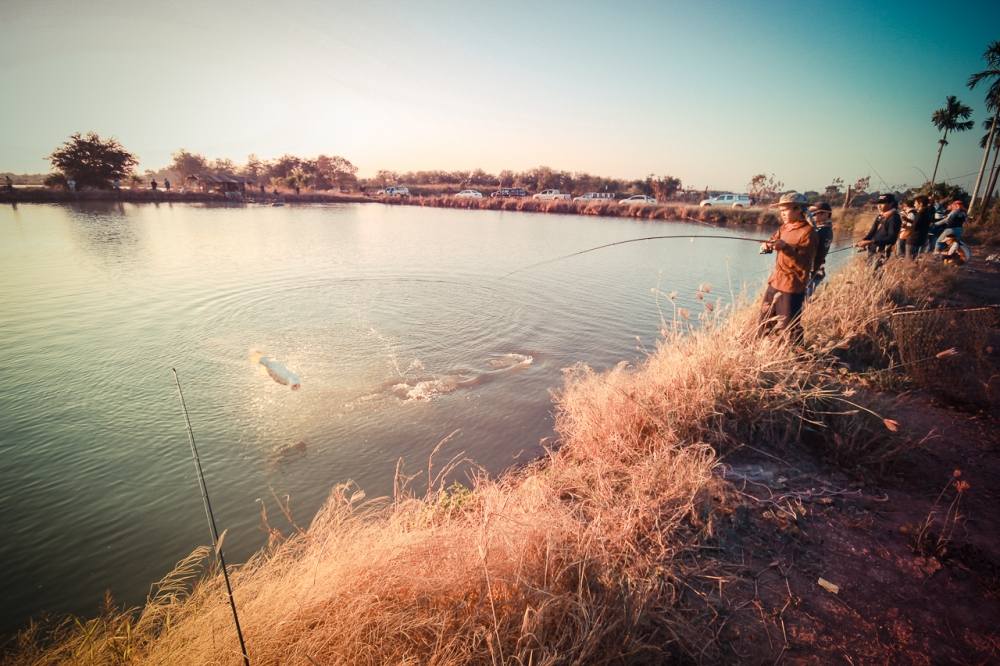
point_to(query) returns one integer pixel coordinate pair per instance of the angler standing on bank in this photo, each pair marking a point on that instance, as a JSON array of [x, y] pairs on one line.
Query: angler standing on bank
[[795, 242], [884, 232]]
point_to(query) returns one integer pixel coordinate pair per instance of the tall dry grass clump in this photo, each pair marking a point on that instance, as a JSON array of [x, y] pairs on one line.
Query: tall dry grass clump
[[588, 555]]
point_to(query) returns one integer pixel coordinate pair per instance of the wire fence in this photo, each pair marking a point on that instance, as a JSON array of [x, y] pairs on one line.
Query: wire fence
[[947, 350]]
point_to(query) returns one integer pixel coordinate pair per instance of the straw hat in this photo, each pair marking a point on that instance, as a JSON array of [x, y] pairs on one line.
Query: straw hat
[[790, 199]]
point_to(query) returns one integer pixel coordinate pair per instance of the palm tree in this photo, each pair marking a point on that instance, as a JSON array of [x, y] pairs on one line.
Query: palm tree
[[991, 181], [992, 75], [952, 117]]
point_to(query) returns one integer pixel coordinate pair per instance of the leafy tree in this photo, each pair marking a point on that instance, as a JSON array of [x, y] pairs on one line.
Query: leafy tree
[[282, 167], [952, 117], [254, 168], [764, 187], [92, 161], [834, 190], [664, 187], [990, 74], [223, 167], [297, 178], [188, 164], [333, 171]]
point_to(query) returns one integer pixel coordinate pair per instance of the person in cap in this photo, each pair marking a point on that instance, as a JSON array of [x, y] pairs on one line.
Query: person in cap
[[821, 214], [913, 236], [884, 232], [952, 224], [795, 241], [955, 252]]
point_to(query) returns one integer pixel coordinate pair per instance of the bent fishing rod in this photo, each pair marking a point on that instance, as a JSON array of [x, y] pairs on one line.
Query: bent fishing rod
[[646, 238], [216, 541]]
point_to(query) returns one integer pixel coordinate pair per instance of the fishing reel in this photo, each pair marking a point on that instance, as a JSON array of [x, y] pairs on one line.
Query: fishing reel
[[765, 248]]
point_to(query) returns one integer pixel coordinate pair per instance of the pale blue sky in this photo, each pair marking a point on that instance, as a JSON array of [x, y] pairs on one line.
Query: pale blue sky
[[710, 92]]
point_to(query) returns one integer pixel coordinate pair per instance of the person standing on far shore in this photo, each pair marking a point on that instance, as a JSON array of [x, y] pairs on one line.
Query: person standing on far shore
[[166, 184], [152, 184], [795, 242]]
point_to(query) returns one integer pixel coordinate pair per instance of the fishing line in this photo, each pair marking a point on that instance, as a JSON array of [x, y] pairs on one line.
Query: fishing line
[[645, 238], [216, 542]]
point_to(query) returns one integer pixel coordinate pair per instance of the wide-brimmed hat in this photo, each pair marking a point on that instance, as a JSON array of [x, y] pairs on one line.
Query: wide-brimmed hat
[[887, 199], [790, 199], [821, 207]]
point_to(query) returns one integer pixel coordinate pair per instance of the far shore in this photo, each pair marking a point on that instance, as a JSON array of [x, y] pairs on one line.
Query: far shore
[[664, 211]]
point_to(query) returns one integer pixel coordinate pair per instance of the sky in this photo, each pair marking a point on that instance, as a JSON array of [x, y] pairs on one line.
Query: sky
[[709, 92]]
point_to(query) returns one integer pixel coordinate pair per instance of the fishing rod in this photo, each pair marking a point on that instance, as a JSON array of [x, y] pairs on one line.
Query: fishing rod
[[646, 238], [216, 541]]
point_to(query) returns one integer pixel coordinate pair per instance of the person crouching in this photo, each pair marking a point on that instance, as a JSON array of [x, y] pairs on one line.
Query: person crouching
[[795, 242]]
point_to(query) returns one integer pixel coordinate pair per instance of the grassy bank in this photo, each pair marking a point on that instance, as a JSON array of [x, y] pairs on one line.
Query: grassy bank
[[599, 551], [52, 195], [714, 215]]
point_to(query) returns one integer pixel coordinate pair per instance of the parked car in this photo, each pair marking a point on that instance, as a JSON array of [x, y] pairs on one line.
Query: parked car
[[596, 196], [469, 194], [394, 192], [638, 200], [510, 192], [731, 200], [550, 195]]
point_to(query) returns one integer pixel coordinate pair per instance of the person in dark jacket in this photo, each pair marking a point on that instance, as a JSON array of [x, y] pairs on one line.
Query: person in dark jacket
[[884, 232], [920, 224], [821, 214]]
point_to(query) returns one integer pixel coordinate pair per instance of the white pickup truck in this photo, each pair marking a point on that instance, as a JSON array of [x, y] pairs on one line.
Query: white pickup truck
[[550, 195]]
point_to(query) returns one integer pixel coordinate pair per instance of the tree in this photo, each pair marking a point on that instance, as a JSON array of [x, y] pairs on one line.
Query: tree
[[764, 187], [991, 180], [333, 171], [834, 189], [664, 187], [952, 117], [254, 168], [188, 164], [92, 161], [991, 73]]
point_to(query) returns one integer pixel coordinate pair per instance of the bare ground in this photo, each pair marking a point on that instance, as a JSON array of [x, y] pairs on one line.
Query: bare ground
[[911, 551]]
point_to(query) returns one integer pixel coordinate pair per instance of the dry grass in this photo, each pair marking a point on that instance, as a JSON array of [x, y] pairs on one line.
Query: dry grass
[[676, 211], [589, 555]]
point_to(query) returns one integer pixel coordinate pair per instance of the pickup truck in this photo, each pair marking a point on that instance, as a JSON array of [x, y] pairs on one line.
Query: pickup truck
[[550, 195]]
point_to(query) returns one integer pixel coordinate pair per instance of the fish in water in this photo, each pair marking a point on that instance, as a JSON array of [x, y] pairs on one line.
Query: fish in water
[[277, 370]]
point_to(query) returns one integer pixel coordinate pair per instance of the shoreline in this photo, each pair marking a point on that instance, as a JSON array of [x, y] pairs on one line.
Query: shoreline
[[663, 211]]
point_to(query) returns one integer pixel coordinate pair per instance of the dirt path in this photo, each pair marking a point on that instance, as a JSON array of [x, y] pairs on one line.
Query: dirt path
[[909, 555]]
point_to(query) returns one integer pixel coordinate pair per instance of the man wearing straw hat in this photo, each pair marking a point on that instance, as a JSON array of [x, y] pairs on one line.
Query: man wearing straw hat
[[795, 242]]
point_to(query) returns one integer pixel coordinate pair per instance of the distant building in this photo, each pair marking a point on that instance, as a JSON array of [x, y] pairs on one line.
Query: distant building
[[228, 185]]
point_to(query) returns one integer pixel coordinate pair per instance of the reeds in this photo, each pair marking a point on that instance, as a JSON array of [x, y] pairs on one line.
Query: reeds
[[588, 555], [602, 208]]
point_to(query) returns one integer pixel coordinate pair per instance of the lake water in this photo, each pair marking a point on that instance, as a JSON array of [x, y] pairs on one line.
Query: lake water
[[398, 320]]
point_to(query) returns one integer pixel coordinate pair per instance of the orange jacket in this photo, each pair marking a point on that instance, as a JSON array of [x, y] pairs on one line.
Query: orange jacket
[[793, 264]]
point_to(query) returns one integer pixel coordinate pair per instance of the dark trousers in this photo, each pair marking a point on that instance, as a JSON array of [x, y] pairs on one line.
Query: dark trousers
[[781, 312]]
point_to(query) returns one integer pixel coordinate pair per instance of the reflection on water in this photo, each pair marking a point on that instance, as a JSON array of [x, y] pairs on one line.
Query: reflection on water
[[396, 320]]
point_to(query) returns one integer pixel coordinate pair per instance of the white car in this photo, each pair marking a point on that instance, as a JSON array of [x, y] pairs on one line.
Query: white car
[[596, 196], [394, 192], [638, 200], [469, 194], [550, 195], [731, 200]]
